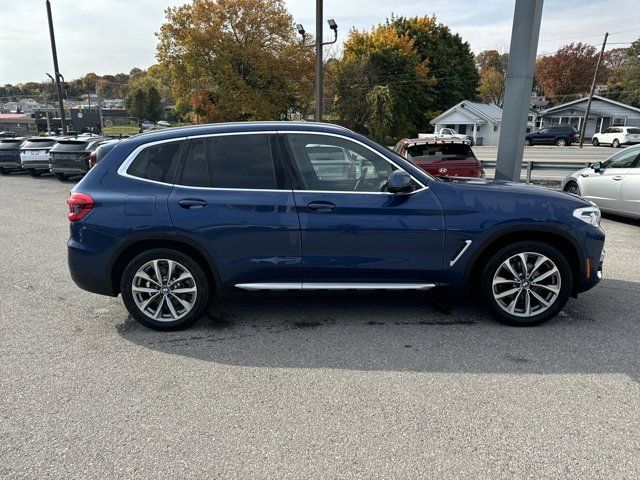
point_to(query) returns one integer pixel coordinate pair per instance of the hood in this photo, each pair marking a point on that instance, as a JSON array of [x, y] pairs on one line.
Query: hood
[[510, 188]]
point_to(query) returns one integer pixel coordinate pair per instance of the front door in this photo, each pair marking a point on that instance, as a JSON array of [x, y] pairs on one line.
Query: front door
[[354, 233], [603, 187], [231, 196]]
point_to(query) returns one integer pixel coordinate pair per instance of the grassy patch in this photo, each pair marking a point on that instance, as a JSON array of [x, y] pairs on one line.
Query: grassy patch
[[121, 130]]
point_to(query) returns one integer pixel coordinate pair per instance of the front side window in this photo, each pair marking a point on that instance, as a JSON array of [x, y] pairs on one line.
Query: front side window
[[157, 162], [229, 161], [622, 160], [329, 163]]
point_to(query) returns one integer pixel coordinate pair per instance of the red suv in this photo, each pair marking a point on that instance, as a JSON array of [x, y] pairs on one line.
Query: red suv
[[442, 158]]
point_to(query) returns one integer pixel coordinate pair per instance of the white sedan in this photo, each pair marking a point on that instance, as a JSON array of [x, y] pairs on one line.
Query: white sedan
[[616, 136], [613, 185]]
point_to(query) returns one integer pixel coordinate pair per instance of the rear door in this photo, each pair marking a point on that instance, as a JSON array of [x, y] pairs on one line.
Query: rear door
[[232, 196], [354, 233]]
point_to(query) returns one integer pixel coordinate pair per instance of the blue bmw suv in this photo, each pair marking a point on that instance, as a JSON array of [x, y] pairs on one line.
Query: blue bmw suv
[[174, 218]]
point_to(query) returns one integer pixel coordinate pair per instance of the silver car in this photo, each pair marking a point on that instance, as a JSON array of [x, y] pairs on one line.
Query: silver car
[[613, 185]]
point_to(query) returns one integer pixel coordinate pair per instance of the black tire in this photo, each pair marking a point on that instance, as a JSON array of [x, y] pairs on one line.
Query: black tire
[[572, 187], [615, 143], [4, 171], [200, 303], [528, 142], [561, 142], [34, 173], [61, 176], [595, 142], [492, 268]]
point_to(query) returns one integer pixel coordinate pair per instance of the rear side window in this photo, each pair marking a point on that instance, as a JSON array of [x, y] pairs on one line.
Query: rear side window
[[447, 151], [230, 161], [157, 163], [634, 131]]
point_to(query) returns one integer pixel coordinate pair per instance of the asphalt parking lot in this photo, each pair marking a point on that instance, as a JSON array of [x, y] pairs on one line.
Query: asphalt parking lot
[[313, 386]]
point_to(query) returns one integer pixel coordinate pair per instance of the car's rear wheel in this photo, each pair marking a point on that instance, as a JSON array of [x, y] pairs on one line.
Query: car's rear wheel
[[4, 171], [34, 173], [561, 142], [595, 142], [61, 176], [165, 289], [572, 187], [526, 284], [615, 143], [528, 142]]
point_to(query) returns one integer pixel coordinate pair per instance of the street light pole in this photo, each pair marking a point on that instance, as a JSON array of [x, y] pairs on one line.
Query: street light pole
[[319, 69], [56, 70], [593, 88]]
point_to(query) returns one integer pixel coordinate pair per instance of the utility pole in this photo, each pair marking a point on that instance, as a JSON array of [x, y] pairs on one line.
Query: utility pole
[[522, 59], [100, 111], [319, 72], [46, 109], [593, 88], [56, 70]]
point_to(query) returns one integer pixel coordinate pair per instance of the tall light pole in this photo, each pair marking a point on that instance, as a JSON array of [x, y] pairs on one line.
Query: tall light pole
[[318, 46], [593, 89], [56, 69]]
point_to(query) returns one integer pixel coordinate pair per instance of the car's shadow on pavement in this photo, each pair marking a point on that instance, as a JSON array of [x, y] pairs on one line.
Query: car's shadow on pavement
[[433, 332]]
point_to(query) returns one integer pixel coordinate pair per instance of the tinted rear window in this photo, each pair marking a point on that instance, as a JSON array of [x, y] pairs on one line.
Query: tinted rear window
[[230, 161], [448, 151], [9, 144], [39, 143], [70, 146], [633, 130], [157, 163]]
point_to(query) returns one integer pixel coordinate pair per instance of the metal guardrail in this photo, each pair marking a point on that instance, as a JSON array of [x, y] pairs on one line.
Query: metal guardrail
[[530, 165]]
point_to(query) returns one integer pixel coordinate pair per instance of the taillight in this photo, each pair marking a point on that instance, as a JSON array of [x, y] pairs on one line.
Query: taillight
[[80, 204], [92, 160]]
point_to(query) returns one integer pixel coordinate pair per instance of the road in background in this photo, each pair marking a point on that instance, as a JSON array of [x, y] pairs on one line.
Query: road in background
[[307, 386], [575, 157]]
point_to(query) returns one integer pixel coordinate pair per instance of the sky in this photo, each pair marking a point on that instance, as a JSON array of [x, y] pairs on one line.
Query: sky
[[112, 36]]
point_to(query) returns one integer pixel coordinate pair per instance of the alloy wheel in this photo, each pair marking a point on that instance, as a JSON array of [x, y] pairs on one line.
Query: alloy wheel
[[526, 284], [164, 290]]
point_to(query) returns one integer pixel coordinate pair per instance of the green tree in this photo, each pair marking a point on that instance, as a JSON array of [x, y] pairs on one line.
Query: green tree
[[450, 59], [624, 79], [383, 58], [381, 108], [137, 104], [234, 59], [492, 66], [153, 105]]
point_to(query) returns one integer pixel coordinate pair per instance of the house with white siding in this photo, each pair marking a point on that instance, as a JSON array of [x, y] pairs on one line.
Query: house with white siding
[[480, 120], [604, 113]]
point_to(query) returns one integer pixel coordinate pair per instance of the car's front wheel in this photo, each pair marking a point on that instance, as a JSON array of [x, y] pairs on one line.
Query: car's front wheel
[[615, 143], [572, 187], [526, 283], [528, 142], [165, 289], [595, 142]]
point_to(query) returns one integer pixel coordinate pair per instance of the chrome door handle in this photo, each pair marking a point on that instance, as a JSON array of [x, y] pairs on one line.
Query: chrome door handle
[[617, 177]]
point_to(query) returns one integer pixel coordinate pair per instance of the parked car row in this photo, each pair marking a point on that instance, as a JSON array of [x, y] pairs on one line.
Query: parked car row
[[63, 156]]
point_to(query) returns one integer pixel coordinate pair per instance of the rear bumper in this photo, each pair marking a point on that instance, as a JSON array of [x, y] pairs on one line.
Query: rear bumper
[[67, 170], [38, 165], [10, 164]]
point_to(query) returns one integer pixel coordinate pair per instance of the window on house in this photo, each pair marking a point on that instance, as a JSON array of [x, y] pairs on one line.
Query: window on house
[[619, 121]]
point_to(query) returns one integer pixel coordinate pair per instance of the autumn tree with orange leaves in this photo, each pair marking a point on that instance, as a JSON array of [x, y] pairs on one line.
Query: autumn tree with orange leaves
[[236, 60]]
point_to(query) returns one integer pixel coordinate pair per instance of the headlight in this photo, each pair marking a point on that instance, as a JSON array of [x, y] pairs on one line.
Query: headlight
[[588, 214]]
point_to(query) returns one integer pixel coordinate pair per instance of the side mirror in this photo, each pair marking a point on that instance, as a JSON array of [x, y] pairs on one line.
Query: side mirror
[[597, 166], [399, 182]]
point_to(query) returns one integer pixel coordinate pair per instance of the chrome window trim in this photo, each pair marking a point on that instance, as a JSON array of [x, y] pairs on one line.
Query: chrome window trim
[[124, 166]]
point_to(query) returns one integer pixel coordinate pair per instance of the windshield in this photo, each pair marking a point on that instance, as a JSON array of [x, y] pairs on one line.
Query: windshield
[[448, 151]]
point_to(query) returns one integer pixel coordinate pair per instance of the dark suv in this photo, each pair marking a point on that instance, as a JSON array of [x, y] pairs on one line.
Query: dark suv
[[71, 156], [10, 154], [172, 218], [560, 135]]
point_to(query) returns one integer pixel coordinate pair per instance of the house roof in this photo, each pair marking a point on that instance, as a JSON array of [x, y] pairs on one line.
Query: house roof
[[485, 111], [585, 99]]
